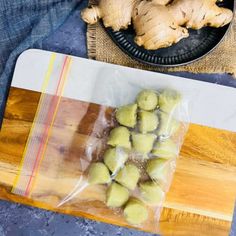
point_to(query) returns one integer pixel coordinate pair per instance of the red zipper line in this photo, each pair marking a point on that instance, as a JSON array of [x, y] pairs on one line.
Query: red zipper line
[[46, 130]]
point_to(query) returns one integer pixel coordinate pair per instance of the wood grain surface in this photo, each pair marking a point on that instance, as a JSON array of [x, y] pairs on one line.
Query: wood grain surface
[[202, 195]]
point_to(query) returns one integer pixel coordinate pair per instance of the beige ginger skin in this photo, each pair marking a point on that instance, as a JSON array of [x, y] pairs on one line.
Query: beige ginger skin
[[196, 14], [158, 23], [155, 27], [114, 13]]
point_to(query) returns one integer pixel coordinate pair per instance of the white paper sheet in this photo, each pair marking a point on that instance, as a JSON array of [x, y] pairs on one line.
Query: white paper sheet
[[211, 104]]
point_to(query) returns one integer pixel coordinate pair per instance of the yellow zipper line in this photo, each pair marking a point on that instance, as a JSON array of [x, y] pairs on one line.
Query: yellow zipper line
[[44, 86], [65, 78]]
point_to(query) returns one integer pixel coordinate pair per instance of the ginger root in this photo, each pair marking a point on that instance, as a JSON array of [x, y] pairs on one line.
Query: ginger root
[[161, 2], [196, 14], [155, 26], [158, 23], [115, 13]]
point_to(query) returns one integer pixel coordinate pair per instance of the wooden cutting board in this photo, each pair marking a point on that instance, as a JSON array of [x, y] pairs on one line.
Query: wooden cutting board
[[202, 196]]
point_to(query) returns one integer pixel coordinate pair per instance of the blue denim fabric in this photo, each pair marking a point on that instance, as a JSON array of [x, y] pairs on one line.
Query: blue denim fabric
[[25, 24]]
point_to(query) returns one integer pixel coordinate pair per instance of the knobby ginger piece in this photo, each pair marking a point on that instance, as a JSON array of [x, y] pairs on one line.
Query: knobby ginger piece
[[114, 13], [155, 26], [158, 23], [196, 14]]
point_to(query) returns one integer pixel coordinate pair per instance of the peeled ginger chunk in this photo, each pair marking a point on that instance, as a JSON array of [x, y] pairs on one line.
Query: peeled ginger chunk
[[115, 14], [152, 193], [147, 100], [169, 99], [117, 195], [98, 174], [127, 115], [155, 26], [143, 143], [135, 212], [158, 169], [128, 176], [119, 137], [115, 158], [168, 126], [165, 149], [148, 121]]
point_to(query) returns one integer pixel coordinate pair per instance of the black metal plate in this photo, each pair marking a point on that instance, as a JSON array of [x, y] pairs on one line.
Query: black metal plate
[[198, 44]]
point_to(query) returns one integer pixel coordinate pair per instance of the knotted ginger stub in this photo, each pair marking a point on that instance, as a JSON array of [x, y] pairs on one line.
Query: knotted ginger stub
[[115, 14], [155, 26]]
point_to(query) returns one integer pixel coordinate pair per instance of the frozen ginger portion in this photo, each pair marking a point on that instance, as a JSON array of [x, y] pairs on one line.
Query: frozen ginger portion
[[148, 121], [135, 212], [168, 100], [115, 158], [143, 143], [147, 100], [158, 169], [152, 193], [98, 174], [117, 195], [168, 126], [127, 115], [119, 137], [165, 149], [128, 176]]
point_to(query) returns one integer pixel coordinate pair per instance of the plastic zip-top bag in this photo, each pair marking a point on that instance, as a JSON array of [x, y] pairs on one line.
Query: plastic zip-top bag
[[103, 142]]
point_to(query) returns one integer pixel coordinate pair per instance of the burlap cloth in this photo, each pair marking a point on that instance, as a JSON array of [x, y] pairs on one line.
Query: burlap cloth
[[221, 60]]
